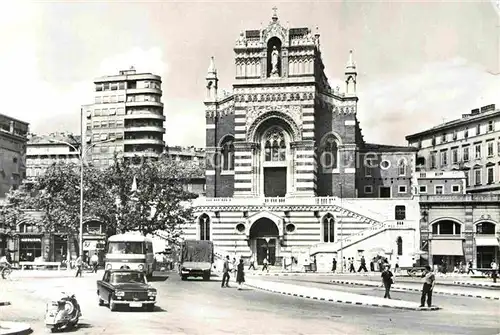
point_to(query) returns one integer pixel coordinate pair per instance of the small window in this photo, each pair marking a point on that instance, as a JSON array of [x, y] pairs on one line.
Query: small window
[[478, 151], [443, 138], [400, 212], [477, 177], [490, 176], [402, 189], [422, 189], [368, 189], [454, 156], [491, 126], [14, 160], [439, 189], [478, 129], [368, 171], [465, 154], [466, 133], [455, 188], [490, 149]]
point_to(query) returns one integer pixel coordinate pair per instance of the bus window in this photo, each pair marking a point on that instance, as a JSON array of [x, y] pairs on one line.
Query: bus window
[[125, 248]]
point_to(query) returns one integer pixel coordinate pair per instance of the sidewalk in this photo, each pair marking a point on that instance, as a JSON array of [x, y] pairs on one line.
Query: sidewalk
[[417, 287], [332, 295], [18, 274], [470, 283]]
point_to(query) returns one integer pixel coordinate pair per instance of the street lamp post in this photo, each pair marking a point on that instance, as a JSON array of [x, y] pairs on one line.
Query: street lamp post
[[81, 156], [341, 234]]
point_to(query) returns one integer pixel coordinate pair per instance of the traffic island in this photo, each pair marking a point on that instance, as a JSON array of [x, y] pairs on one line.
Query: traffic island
[[437, 290], [14, 328], [334, 296]]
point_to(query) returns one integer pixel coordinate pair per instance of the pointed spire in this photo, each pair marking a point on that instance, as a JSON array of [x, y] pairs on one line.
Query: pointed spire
[[211, 67], [275, 14], [350, 63]]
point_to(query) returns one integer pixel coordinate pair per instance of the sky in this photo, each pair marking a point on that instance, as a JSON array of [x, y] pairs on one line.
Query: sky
[[419, 63]]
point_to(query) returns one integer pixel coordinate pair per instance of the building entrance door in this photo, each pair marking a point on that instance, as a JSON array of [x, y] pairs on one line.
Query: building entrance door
[[275, 181], [266, 249], [264, 233]]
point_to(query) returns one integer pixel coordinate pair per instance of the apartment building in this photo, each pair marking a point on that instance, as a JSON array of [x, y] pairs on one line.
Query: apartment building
[[191, 153], [126, 118], [45, 150], [470, 144], [13, 138]]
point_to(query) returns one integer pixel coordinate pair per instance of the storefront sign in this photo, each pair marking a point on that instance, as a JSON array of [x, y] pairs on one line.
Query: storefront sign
[[89, 245], [31, 239]]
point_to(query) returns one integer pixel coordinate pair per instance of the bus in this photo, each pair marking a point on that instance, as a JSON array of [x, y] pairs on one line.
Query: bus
[[126, 251]]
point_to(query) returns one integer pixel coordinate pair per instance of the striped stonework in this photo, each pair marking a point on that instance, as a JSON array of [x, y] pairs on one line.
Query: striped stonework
[[304, 177]]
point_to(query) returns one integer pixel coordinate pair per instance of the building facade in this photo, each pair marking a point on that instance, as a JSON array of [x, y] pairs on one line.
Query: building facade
[[126, 117], [470, 144], [13, 138], [45, 150], [285, 161]]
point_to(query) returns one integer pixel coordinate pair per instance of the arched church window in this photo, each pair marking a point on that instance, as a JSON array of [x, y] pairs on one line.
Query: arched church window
[[275, 146], [399, 242], [204, 227], [330, 154], [402, 167], [328, 228], [227, 154]]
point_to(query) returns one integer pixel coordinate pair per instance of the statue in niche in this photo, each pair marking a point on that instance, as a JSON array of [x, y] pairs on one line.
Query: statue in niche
[[274, 62]]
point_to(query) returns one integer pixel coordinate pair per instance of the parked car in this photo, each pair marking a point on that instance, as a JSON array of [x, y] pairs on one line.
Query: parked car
[[126, 287]]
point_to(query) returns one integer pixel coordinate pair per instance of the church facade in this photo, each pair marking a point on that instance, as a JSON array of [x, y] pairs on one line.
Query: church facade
[[288, 172]]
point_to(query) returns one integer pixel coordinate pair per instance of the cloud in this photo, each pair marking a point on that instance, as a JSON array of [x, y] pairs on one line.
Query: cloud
[[392, 107]]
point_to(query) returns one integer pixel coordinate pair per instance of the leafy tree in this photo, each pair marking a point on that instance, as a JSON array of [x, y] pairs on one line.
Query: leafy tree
[[160, 200], [13, 211]]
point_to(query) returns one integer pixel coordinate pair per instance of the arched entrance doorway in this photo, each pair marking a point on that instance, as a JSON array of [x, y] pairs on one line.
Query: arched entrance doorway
[[263, 238]]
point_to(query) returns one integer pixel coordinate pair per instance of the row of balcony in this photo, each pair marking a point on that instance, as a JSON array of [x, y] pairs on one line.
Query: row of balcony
[[138, 141], [136, 128]]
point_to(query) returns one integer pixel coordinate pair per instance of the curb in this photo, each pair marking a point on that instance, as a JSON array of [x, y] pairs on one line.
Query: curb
[[433, 308], [291, 274], [14, 328], [490, 285], [415, 290], [4, 303]]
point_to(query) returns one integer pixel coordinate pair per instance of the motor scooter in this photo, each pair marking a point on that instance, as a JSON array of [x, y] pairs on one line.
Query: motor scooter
[[62, 313]]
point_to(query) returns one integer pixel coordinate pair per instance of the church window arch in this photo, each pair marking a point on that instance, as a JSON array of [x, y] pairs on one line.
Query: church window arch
[[227, 153], [328, 228], [330, 152], [275, 145], [204, 227], [402, 167]]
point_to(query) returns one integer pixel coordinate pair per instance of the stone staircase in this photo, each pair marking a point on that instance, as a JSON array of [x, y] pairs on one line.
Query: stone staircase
[[355, 238]]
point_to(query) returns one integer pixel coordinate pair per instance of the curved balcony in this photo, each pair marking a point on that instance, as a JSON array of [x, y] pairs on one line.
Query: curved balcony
[[144, 91], [139, 141], [150, 129], [143, 103], [145, 115]]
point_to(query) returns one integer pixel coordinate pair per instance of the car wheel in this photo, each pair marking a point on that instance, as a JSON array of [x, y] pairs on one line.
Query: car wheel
[[101, 302], [183, 277], [206, 277], [112, 305]]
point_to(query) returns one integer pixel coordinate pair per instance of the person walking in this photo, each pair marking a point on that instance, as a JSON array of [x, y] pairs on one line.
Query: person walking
[[344, 265], [429, 282], [372, 265], [387, 279], [363, 265], [351, 265], [79, 264], [494, 271], [240, 274], [225, 275], [94, 260], [334, 264], [265, 262], [469, 267], [252, 262]]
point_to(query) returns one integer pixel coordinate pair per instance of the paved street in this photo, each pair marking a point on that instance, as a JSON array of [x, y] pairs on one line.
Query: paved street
[[197, 307]]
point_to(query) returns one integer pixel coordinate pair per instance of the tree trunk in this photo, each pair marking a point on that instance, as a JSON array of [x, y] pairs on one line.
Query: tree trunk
[[68, 252]]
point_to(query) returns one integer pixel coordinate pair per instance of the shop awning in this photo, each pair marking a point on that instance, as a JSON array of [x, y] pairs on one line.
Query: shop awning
[[486, 241], [447, 247]]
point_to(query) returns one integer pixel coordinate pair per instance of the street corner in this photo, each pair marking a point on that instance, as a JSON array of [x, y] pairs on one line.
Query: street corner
[[14, 328]]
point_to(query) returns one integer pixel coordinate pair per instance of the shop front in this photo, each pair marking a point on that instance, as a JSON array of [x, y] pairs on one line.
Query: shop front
[[30, 247], [94, 240]]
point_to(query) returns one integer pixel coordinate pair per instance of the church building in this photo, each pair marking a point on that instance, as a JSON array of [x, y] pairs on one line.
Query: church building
[[288, 172]]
